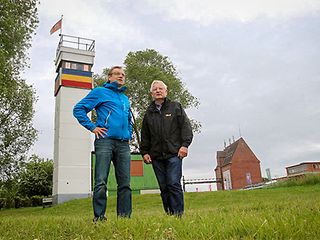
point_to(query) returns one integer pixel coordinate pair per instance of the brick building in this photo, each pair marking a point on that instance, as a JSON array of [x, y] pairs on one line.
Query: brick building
[[237, 166], [303, 168]]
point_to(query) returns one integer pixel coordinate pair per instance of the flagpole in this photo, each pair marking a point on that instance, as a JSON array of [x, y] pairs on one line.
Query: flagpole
[[61, 26]]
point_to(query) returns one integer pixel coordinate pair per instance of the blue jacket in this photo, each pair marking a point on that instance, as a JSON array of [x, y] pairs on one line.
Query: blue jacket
[[113, 111]]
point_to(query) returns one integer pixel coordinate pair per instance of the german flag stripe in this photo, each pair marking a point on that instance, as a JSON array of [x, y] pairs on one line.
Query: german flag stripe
[[68, 83], [76, 78], [76, 72]]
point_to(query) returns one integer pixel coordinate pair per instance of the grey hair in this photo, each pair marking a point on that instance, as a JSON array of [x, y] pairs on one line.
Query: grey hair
[[158, 81]]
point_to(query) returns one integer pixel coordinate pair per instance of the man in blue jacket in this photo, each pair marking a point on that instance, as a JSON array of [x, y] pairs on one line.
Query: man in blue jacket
[[112, 131]]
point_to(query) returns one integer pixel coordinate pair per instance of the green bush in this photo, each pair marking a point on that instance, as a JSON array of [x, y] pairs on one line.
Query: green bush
[[9, 203], [302, 180], [312, 179], [2, 203], [26, 202], [36, 177], [18, 202], [9, 188], [22, 202], [36, 201]]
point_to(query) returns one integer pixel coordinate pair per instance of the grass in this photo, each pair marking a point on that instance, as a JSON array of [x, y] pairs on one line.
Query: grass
[[273, 213]]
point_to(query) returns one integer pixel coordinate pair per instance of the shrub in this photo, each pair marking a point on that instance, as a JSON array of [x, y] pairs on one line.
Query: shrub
[[36, 177], [2, 203], [22, 202], [18, 202], [9, 203], [36, 201], [307, 179]]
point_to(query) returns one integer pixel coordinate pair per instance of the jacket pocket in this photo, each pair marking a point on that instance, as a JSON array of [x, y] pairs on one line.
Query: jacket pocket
[[173, 146]]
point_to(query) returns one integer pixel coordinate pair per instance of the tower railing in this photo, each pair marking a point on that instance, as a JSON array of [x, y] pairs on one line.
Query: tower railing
[[76, 42]]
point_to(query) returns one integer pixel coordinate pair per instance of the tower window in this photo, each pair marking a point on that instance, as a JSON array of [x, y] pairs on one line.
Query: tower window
[[76, 66]]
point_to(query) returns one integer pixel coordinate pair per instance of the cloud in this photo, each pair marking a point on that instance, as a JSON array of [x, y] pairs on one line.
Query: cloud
[[253, 67], [103, 20], [208, 11]]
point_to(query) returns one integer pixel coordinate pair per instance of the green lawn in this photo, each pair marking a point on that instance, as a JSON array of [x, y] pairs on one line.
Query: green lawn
[[276, 213]]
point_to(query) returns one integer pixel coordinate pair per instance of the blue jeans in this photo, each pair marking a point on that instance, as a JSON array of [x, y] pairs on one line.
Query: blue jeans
[[169, 173], [107, 150]]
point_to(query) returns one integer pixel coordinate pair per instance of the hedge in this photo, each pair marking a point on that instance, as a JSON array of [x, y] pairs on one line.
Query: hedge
[[18, 202]]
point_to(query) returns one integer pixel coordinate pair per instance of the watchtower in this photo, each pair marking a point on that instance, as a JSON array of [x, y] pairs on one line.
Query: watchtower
[[72, 142]]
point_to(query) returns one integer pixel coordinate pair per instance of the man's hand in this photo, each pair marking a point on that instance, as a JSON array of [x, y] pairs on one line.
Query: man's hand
[[147, 159], [183, 152], [98, 131]]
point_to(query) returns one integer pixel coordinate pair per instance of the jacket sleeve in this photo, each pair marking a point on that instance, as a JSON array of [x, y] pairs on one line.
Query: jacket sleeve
[[145, 137], [186, 129], [81, 109]]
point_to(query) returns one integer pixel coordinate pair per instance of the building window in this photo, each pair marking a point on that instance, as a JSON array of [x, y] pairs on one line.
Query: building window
[[76, 66], [316, 166], [86, 67], [299, 169], [291, 171], [67, 65]]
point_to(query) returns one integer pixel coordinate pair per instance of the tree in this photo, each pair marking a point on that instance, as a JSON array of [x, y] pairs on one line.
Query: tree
[[18, 21], [17, 133], [36, 177], [142, 67]]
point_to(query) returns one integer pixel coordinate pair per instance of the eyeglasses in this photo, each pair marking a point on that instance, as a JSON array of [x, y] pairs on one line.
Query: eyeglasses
[[118, 74]]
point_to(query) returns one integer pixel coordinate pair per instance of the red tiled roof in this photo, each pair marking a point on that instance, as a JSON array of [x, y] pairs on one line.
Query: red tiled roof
[[229, 151]]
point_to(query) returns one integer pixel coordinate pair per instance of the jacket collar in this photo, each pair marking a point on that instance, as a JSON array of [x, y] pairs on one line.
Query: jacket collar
[[114, 86], [153, 106]]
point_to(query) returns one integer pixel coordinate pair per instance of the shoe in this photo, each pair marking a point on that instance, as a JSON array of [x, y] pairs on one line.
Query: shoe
[[101, 218], [124, 216]]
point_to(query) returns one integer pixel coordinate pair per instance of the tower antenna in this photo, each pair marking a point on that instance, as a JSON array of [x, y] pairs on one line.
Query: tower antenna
[[240, 135]]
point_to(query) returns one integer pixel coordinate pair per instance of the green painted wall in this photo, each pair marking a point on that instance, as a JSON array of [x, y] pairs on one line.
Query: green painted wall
[[145, 182]]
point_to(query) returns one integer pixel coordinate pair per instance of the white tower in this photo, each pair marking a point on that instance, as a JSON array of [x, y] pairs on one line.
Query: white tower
[[72, 142]]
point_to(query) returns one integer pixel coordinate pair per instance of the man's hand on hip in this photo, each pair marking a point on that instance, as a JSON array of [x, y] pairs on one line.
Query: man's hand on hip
[[99, 132], [183, 152]]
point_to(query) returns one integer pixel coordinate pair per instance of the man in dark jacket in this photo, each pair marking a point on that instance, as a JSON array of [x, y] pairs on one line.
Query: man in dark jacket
[[165, 137], [113, 131]]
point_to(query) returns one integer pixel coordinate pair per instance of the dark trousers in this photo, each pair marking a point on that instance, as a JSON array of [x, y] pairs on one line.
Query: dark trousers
[[169, 173], [107, 150]]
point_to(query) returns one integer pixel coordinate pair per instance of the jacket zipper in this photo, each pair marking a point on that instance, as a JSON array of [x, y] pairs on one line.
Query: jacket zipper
[[161, 130], [122, 127], [107, 118]]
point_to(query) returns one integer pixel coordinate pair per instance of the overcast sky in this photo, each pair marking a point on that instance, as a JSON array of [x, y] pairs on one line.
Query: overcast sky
[[253, 65]]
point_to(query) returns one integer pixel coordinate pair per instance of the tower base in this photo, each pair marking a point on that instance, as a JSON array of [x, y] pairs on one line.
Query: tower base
[[60, 198]]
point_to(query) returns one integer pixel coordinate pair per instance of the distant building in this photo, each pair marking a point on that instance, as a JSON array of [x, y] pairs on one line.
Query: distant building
[[303, 168], [237, 166]]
